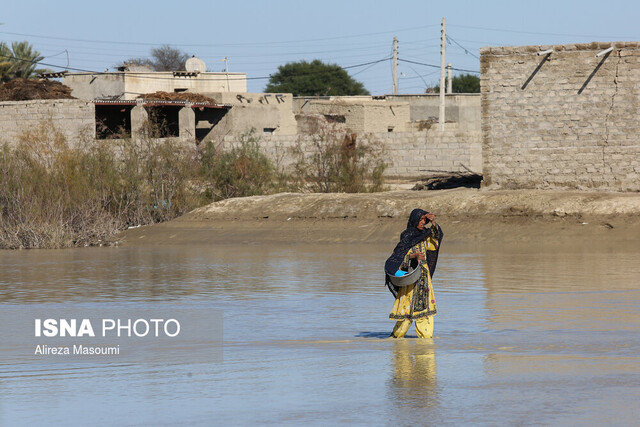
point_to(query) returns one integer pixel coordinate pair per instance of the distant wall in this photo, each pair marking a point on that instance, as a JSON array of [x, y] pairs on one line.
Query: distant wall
[[409, 154], [75, 118], [89, 86], [414, 154], [264, 112], [365, 116], [130, 85], [462, 108], [569, 119], [301, 103]]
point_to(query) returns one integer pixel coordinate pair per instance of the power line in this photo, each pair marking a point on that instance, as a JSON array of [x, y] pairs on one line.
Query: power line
[[437, 66], [535, 33], [341, 68], [247, 51], [362, 71], [217, 45], [50, 65], [419, 76], [450, 39], [142, 75]]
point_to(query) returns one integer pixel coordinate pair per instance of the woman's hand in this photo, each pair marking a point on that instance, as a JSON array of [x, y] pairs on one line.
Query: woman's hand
[[432, 218], [420, 256]]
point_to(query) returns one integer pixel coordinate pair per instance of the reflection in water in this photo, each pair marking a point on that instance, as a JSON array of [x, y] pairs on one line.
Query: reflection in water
[[306, 327], [414, 383]]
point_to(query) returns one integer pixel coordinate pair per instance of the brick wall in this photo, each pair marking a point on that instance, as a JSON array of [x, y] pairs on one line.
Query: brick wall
[[569, 119], [75, 118]]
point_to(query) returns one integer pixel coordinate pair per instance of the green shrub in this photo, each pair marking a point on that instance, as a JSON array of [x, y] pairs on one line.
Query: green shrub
[[242, 170]]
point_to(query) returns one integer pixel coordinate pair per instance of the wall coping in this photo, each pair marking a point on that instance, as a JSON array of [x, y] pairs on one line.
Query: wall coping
[[431, 95], [344, 102], [51, 102], [593, 46]]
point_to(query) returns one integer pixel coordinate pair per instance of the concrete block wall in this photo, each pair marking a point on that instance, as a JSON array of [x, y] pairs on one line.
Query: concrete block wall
[[415, 154], [75, 118], [408, 154], [569, 119]]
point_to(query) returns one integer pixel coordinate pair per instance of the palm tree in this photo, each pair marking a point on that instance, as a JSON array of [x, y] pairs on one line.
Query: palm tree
[[5, 61], [19, 61]]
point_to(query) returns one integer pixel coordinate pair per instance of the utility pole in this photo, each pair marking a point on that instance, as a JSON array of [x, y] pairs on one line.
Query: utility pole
[[226, 72], [395, 65], [449, 81], [441, 117]]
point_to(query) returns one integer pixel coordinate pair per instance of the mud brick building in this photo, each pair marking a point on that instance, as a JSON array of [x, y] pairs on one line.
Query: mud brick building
[[561, 116]]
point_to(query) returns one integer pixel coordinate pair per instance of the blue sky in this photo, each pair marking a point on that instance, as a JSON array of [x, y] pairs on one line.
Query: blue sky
[[259, 35]]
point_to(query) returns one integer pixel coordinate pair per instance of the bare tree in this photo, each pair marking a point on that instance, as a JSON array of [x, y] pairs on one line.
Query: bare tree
[[163, 58], [167, 58]]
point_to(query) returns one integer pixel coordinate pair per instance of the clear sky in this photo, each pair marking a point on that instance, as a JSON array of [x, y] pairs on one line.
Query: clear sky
[[258, 35]]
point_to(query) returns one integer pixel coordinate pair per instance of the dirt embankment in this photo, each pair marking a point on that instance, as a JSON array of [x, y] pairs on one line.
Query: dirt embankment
[[465, 214]]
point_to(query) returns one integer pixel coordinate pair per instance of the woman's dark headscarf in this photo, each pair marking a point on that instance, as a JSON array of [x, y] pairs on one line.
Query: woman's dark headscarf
[[409, 238]]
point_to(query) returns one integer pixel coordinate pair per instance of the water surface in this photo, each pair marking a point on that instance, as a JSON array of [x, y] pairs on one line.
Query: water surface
[[529, 335]]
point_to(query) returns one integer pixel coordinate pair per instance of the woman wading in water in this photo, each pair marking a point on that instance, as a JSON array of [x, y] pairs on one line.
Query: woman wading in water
[[419, 242]]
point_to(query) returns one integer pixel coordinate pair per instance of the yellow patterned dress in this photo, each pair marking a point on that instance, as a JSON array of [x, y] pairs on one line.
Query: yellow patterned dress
[[416, 302]]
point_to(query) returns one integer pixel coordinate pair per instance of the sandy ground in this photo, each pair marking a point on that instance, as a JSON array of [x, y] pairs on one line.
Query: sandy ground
[[465, 214]]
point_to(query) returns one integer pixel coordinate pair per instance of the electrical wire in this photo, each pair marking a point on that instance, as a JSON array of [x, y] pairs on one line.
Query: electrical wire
[[535, 33], [437, 66], [222, 44], [142, 75], [466, 51], [375, 63]]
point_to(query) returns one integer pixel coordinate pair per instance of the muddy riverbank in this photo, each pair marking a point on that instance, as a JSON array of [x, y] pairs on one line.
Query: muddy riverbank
[[465, 214]]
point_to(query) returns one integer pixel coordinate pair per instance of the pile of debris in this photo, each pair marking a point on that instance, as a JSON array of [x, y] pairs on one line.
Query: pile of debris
[[178, 96], [28, 89], [443, 181]]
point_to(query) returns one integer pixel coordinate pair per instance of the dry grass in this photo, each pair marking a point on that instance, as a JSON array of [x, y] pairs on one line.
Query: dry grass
[[333, 160], [55, 195]]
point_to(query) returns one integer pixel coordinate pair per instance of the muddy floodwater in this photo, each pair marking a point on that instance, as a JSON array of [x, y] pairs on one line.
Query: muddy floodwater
[[524, 335]]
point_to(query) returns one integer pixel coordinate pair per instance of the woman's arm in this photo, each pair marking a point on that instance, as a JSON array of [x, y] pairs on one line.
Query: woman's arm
[[413, 253]]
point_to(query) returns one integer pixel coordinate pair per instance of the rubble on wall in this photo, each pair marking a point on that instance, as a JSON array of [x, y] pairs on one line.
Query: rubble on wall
[[441, 181], [177, 96], [28, 89]]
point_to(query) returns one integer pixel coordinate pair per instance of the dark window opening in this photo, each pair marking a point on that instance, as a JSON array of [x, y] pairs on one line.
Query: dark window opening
[[163, 121], [206, 119], [390, 129], [335, 118], [179, 90], [268, 130], [113, 121]]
